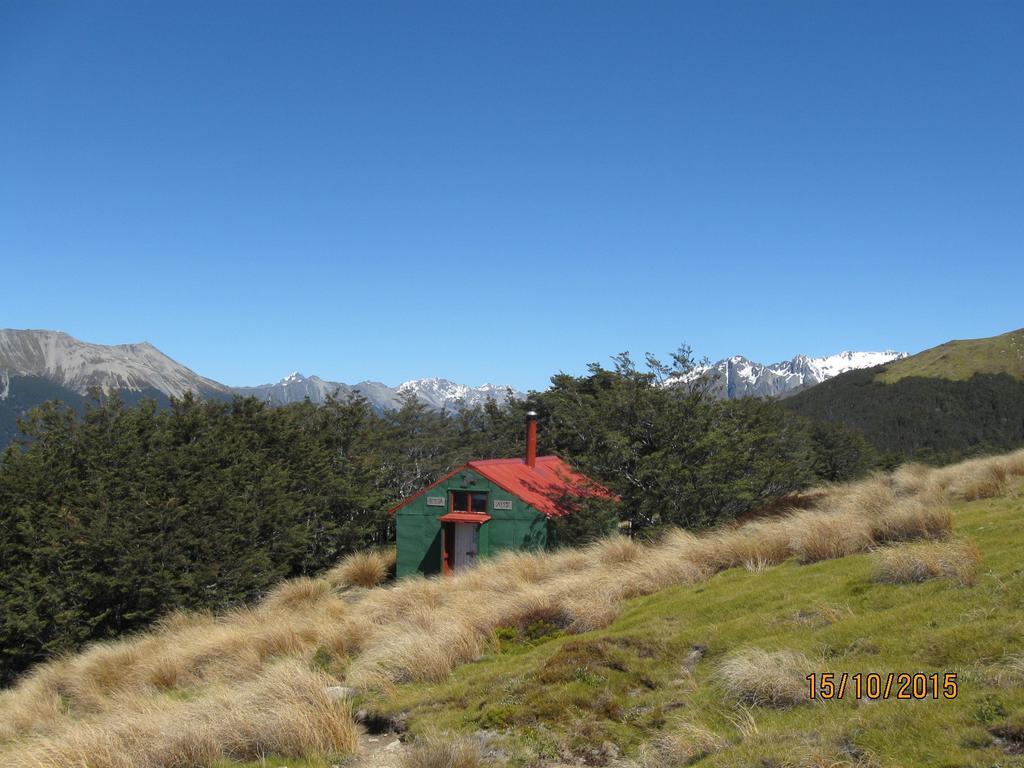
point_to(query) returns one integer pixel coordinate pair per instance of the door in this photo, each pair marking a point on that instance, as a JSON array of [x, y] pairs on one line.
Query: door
[[464, 546]]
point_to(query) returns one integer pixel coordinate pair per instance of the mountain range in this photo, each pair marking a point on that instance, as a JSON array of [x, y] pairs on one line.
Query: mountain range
[[39, 365], [737, 376], [435, 393], [77, 365]]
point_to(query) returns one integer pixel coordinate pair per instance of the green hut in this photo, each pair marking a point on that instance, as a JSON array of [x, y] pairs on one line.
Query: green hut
[[484, 507]]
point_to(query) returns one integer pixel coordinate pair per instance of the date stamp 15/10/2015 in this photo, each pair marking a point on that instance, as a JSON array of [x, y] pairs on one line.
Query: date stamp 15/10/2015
[[903, 686]]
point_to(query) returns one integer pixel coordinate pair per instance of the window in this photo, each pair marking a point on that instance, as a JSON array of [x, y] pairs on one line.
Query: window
[[469, 501]]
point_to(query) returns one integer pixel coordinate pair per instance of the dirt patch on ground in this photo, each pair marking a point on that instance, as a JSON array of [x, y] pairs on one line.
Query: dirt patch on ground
[[382, 750]]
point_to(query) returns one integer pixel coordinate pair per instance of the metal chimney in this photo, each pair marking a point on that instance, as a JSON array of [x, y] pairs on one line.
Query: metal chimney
[[531, 438]]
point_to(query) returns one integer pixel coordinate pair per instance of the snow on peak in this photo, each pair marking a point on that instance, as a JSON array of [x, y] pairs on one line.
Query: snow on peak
[[737, 376], [844, 361], [434, 384], [436, 393], [444, 393]]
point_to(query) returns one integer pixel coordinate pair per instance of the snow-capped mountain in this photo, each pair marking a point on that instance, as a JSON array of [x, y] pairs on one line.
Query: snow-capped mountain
[[77, 365], [434, 393], [441, 393], [739, 377], [36, 366], [294, 388], [33, 359], [54, 364]]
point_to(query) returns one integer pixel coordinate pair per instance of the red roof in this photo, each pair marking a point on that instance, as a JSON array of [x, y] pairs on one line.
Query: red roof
[[541, 486]]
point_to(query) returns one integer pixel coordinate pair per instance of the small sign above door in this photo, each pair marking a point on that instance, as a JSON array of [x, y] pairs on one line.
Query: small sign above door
[[502, 504], [435, 501]]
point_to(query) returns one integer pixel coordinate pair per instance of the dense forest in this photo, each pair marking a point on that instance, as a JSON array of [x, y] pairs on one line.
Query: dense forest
[[113, 516], [929, 419]]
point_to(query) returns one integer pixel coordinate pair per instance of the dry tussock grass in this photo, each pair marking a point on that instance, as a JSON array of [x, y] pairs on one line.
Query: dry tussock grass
[[442, 751], [681, 744], [911, 478], [1008, 672], [980, 478], [762, 678], [821, 615], [362, 569], [824, 536], [420, 629], [286, 711], [191, 655], [987, 484], [908, 563], [297, 594], [615, 550], [1014, 463], [925, 516]]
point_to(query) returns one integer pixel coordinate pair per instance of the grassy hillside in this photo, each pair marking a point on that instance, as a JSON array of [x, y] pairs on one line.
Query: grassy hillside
[[680, 672], [622, 653], [960, 360]]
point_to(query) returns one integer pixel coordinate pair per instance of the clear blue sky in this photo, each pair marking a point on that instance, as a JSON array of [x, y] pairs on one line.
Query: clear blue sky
[[497, 191]]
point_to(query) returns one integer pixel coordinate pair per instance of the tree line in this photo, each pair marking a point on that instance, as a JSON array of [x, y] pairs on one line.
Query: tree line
[[928, 419], [113, 517]]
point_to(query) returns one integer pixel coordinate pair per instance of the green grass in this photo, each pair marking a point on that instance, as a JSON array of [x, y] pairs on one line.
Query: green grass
[[959, 360], [560, 697]]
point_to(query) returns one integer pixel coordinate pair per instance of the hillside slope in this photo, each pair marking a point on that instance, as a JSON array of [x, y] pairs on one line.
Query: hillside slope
[[79, 365], [931, 419], [659, 683], [959, 399], [959, 360], [20, 394], [620, 653]]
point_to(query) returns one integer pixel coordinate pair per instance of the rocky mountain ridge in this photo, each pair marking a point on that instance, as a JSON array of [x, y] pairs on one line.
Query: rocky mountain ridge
[[74, 366], [736, 377], [435, 393]]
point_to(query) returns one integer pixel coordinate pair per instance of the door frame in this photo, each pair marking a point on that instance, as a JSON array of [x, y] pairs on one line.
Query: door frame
[[448, 545], [447, 535]]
